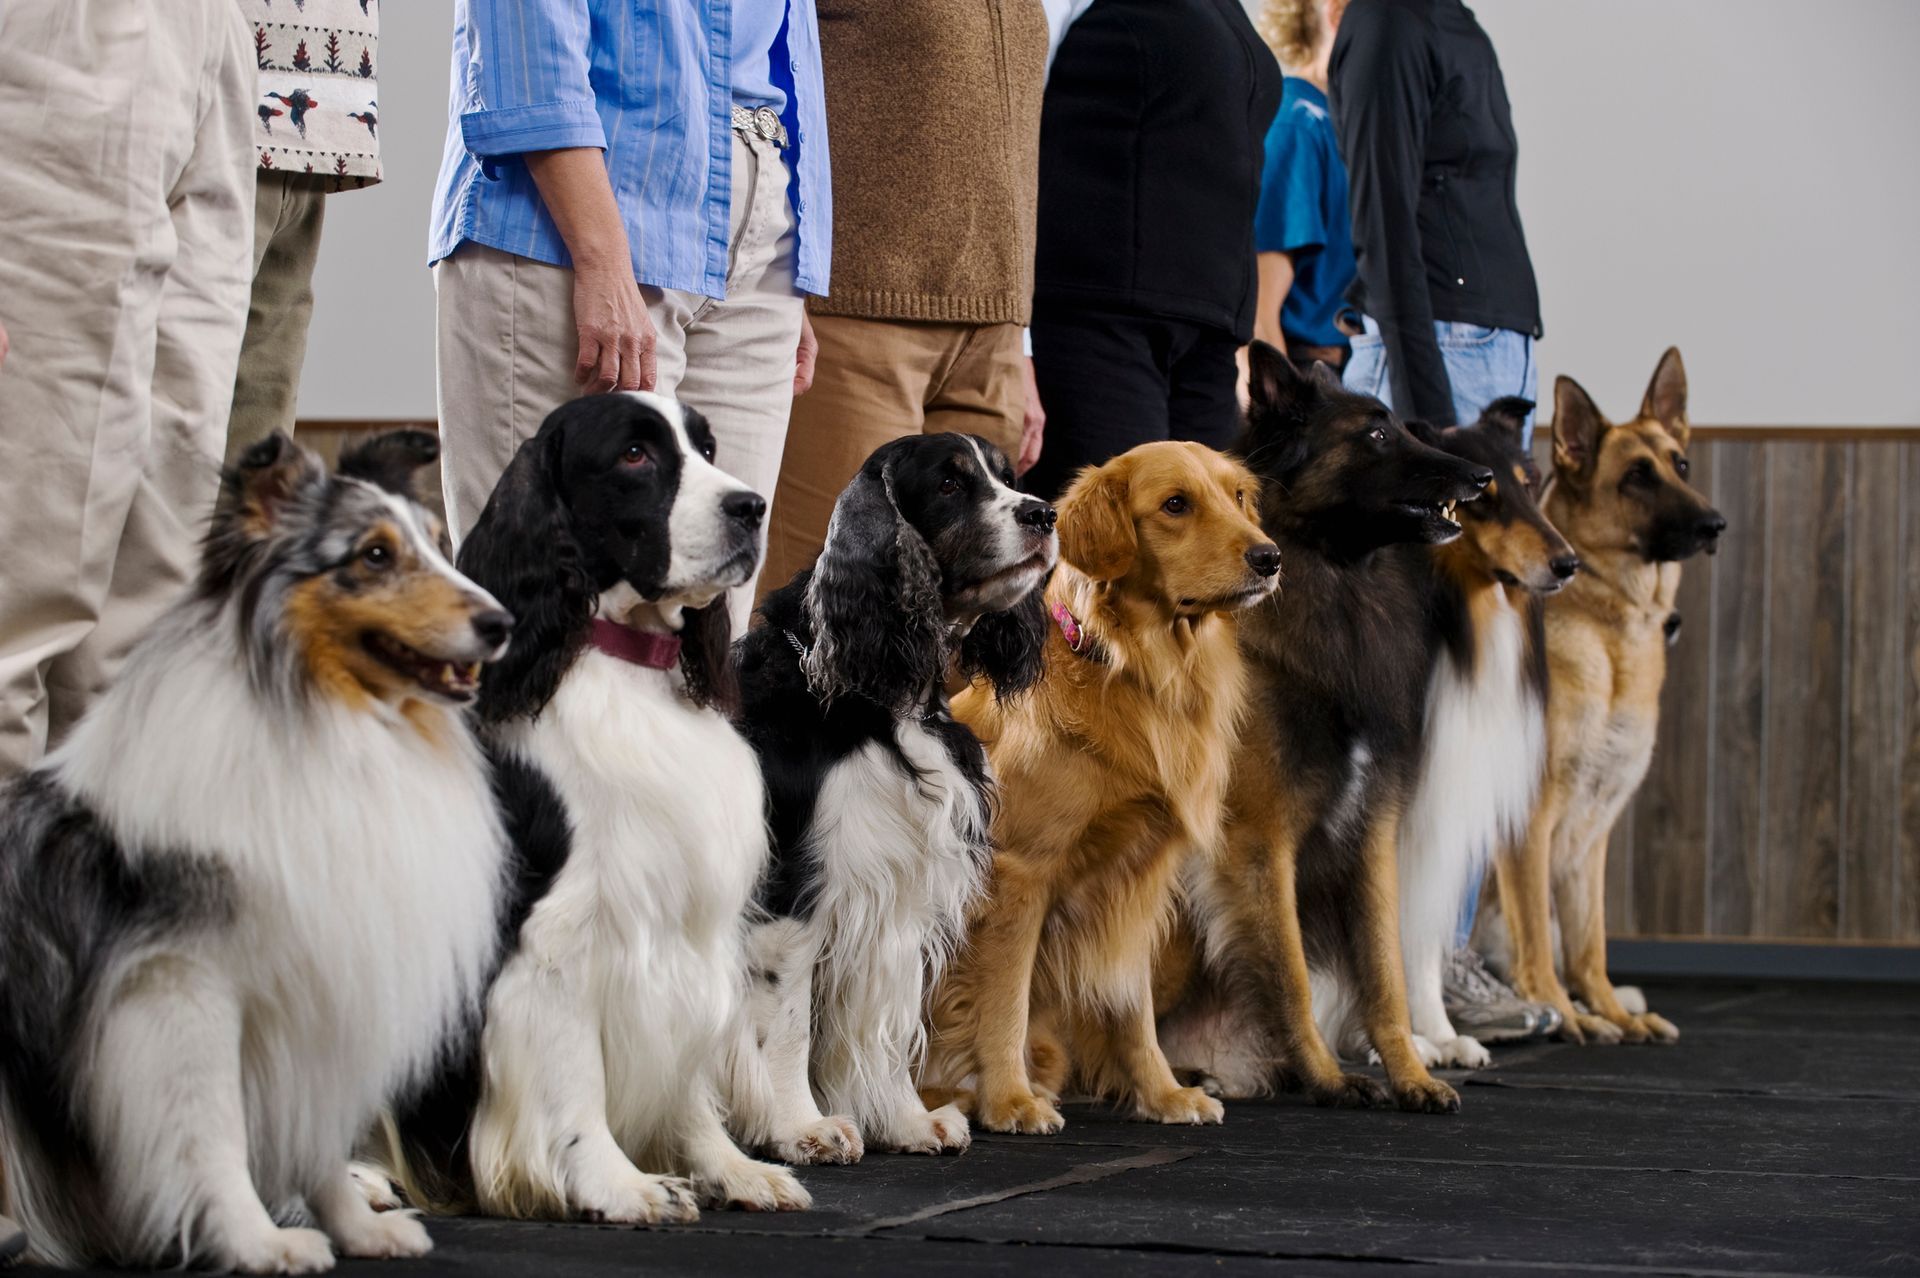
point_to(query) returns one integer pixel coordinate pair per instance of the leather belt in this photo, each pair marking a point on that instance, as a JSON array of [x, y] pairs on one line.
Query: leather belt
[[761, 122]]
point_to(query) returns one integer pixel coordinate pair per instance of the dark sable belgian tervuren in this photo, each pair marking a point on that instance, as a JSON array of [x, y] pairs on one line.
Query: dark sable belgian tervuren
[[1338, 670]]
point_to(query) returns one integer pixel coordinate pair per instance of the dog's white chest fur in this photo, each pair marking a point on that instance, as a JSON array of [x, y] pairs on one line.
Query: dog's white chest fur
[[366, 864], [900, 858], [645, 921]]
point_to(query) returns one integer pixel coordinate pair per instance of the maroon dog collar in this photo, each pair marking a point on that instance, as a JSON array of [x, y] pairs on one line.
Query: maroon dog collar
[[641, 647]]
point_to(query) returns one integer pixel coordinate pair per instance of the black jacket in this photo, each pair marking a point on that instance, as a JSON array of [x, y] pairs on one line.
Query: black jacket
[[1424, 125], [1151, 139]]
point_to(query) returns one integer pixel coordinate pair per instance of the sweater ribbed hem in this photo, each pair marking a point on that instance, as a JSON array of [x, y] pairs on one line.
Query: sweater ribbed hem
[[883, 304]]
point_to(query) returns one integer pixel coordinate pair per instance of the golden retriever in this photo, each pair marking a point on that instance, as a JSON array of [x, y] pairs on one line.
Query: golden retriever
[[1111, 775]]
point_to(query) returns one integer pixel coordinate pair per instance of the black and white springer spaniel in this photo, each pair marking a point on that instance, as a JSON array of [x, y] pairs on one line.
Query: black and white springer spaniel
[[878, 799], [595, 1089]]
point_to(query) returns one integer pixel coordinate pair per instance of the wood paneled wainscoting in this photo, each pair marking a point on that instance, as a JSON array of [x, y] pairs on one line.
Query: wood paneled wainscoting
[[1783, 801], [1784, 797]]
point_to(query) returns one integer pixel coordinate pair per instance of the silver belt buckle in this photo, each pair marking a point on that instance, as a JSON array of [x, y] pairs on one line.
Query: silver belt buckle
[[762, 122]]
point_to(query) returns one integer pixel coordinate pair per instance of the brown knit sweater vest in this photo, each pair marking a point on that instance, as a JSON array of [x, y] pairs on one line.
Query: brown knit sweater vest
[[933, 112]]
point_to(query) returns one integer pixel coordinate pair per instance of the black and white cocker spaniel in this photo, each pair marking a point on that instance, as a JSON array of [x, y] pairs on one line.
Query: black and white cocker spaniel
[[596, 1087], [878, 799]]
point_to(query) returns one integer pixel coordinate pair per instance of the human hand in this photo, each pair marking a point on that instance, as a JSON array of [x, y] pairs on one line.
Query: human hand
[[805, 355], [616, 334], [1034, 424]]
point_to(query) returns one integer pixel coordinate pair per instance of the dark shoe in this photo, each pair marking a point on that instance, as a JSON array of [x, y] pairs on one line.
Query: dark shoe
[[1483, 1006], [13, 1241]]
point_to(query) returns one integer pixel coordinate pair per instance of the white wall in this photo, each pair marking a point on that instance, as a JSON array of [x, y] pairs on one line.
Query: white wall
[[1738, 177]]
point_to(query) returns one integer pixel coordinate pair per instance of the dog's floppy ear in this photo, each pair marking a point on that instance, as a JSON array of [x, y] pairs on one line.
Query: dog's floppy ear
[[1666, 396], [1577, 428], [390, 461], [873, 603], [1008, 647], [1097, 535], [1506, 417], [706, 640], [523, 552]]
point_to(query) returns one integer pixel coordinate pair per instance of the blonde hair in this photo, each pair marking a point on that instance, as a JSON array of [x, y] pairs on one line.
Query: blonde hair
[[1291, 29]]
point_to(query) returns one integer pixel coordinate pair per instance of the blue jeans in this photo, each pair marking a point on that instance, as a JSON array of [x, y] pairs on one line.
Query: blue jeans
[[1482, 364]]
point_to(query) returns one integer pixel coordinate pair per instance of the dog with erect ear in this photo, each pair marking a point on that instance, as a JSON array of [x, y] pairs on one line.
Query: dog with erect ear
[[878, 797], [253, 894], [1621, 495], [1338, 671], [1112, 775]]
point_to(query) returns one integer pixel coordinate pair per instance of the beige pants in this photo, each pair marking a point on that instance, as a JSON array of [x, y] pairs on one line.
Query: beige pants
[[507, 345], [126, 205], [288, 211], [878, 380]]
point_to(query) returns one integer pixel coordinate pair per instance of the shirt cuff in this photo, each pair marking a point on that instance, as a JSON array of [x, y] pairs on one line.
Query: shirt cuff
[[541, 126]]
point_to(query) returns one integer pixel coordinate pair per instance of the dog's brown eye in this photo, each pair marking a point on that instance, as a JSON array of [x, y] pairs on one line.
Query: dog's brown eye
[[1175, 505], [1378, 434], [1680, 466], [634, 455], [377, 557], [949, 486]]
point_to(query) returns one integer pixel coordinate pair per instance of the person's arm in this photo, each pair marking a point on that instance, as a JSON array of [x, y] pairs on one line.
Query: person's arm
[[1382, 93], [531, 98], [1275, 272], [616, 333]]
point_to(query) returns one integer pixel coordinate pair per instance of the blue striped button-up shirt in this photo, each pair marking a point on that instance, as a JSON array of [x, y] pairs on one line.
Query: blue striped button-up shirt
[[648, 81]]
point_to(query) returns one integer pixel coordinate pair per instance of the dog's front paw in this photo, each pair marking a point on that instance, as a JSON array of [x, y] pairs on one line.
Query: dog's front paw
[[939, 1131], [1659, 1029], [1189, 1105], [1022, 1112], [1596, 1031], [278, 1251], [830, 1140], [751, 1186], [641, 1199], [1426, 1096], [1350, 1091], [389, 1235], [1459, 1052], [374, 1186]]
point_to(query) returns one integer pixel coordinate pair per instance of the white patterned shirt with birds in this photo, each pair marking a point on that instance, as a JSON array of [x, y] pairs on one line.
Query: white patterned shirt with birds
[[319, 109]]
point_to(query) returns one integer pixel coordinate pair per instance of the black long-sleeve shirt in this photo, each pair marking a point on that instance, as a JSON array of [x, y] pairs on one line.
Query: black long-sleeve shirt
[[1425, 128]]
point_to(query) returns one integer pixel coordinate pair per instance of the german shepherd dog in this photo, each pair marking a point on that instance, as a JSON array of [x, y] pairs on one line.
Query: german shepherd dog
[[1620, 494], [1338, 680]]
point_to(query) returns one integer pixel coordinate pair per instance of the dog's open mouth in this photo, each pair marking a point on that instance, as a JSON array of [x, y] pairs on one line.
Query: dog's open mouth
[[454, 681], [1442, 518]]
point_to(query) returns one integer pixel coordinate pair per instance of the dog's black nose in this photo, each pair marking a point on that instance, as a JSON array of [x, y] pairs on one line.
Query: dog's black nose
[[1564, 566], [1480, 477], [493, 626], [747, 507], [1264, 559], [1038, 516], [1710, 525]]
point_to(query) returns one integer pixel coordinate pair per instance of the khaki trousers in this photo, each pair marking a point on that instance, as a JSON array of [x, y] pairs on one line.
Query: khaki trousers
[[126, 200], [507, 344], [879, 380], [288, 210]]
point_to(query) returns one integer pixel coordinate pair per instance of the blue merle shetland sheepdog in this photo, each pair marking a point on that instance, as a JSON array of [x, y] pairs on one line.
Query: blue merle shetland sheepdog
[[246, 901]]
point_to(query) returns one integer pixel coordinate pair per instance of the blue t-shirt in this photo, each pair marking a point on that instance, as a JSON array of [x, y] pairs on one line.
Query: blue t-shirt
[[1303, 213]]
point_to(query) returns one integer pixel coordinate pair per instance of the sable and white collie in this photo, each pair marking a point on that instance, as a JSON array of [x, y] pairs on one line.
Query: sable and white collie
[[251, 895], [878, 797], [636, 814], [1484, 745]]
